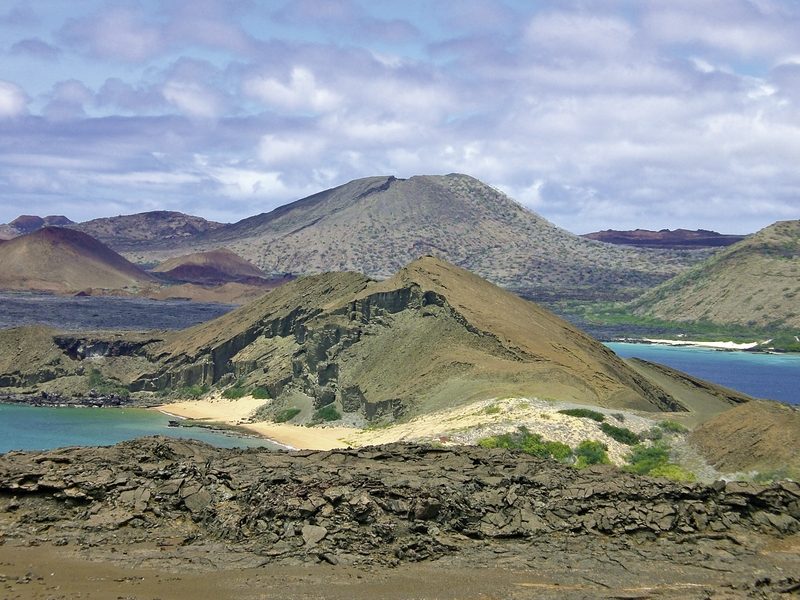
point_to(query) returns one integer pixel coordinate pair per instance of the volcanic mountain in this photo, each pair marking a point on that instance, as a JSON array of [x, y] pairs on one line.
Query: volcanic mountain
[[665, 238], [130, 232], [60, 260], [212, 267], [754, 282], [377, 224], [29, 223]]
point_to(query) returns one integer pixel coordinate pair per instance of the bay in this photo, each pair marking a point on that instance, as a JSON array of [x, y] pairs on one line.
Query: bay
[[38, 428], [771, 376]]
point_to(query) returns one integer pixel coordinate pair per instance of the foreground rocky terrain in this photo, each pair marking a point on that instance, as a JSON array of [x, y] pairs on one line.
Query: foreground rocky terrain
[[185, 507]]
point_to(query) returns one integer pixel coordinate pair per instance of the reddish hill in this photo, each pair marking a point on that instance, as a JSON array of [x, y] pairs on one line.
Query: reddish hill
[[679, 238], [213, 267], [62, 260]]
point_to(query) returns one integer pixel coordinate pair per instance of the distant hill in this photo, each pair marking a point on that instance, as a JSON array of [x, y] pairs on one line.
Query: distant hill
[[665, 238], [377, 224], [29, 223], [212, 267], [755, 282], [60, 260], [130, 232]]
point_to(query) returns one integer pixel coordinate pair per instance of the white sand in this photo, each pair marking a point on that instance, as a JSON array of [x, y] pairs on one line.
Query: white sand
[[717, 345]]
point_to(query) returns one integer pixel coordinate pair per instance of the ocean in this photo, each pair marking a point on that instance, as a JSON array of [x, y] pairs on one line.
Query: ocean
[[39, 428], [771, 376]]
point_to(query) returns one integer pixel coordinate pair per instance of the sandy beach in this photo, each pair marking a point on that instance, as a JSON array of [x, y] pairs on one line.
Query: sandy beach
[[460, 425], [716, 345]]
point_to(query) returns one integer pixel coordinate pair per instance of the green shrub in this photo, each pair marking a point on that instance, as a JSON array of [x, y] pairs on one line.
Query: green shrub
[[326, 413], [591, 452], [492, 410], [619, 417], [287, 414], [672, 427], [234, 393], [584, 413], [654, 434], [643, 459], [101, 385], [673, 472], [260, 393], [622, 434], [192, 391], [530, 443]]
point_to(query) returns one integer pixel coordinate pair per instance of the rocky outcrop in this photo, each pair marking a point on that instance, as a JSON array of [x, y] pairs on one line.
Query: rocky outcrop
[[377, 506]]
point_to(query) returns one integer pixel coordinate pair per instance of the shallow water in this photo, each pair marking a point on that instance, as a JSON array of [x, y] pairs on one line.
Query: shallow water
[[38, 428], [772, 376]]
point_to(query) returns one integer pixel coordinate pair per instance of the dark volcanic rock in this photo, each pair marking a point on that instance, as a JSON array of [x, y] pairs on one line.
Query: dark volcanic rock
[[376, 506]]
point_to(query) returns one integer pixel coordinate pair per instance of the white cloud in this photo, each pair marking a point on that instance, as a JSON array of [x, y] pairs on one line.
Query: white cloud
[[13, 101], [287, 150], [192, 99], [300, 93]]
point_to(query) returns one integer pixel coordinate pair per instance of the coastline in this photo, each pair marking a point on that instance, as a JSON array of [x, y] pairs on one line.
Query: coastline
[[719, 345]]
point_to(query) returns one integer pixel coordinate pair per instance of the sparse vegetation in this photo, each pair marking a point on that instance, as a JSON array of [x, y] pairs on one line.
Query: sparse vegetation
[[644, 458], [260, 393], [653, 460], [100, 384], [530, 443], [584, 413], [492, 409], [591, 452], [622, 434], [235, 392], [192, 392], [286, 414], [326, 413], [672, 427]]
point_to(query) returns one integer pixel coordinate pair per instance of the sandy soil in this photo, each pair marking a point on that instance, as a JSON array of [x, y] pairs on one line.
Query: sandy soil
[[463, 425]]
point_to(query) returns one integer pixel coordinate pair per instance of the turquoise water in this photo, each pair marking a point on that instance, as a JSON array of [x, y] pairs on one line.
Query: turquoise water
[[772, 376], [35, 428]]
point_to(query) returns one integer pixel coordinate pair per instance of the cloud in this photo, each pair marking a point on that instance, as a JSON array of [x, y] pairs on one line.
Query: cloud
[[35, 48], [603, 114], [22, 15], [117, 34], [193, 99], [67, 100], [300, 93], [13, 101], [346, 16]]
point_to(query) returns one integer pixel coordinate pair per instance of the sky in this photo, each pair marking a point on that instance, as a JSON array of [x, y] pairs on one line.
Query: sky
[[595, 114]]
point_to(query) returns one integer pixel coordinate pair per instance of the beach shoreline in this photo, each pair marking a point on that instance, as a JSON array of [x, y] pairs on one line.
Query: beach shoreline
[[728, 346]]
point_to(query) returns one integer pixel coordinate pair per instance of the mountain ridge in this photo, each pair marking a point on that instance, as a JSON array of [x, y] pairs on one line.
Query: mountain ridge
[[375, 225]]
